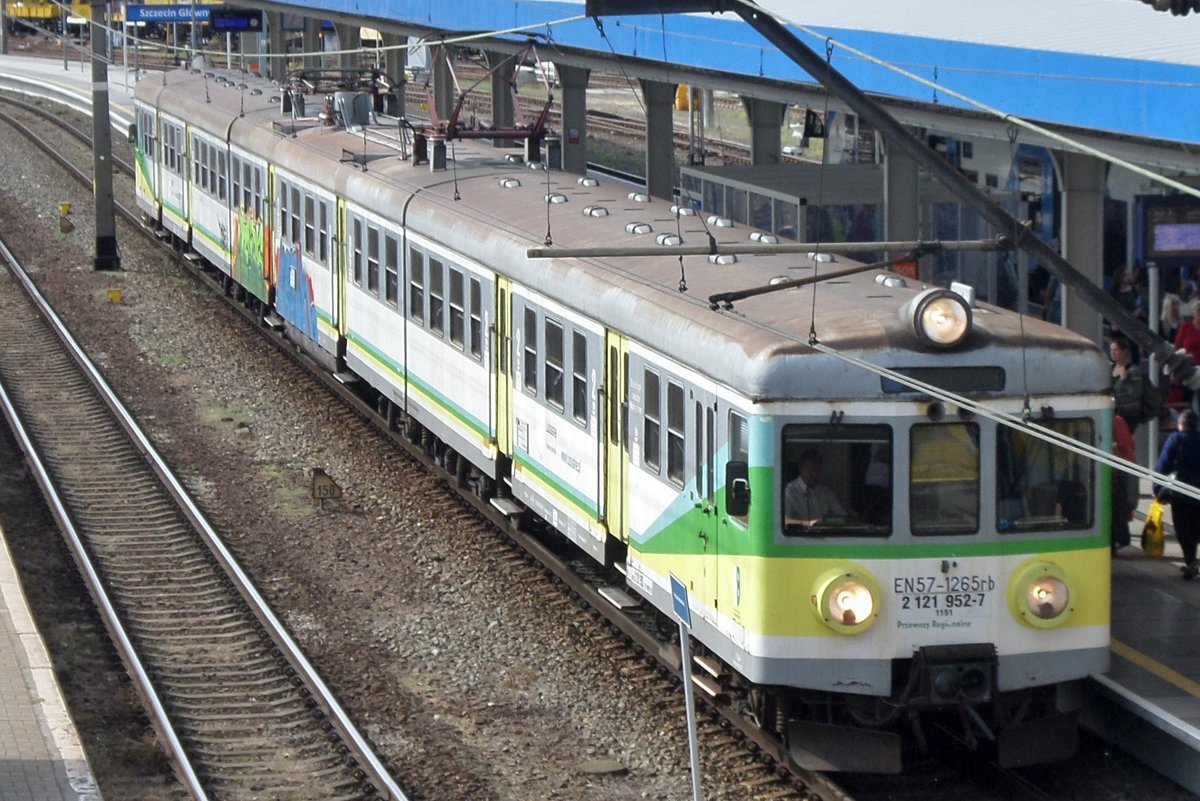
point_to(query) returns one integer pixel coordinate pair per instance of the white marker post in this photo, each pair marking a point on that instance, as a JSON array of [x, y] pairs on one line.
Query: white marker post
[[679, 598]]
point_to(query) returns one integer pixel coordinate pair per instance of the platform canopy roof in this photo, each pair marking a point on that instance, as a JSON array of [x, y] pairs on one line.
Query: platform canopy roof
[[1108, 65]]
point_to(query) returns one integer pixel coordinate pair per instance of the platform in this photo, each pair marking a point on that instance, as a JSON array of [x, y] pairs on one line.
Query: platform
[[1154, 679], [70, 85], [41, 758]]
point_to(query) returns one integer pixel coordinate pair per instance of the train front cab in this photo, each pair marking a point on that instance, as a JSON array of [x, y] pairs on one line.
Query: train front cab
[[969, 577]]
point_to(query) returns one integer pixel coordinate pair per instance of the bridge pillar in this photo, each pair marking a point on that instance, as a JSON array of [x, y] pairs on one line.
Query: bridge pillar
[[394, 62], [503, 110], [574, 117], [766, 118], [443, 84], [660, 137], [250, 52], [311, 43], [901, 206], [1084, 179], [276, 47], [348, 39]]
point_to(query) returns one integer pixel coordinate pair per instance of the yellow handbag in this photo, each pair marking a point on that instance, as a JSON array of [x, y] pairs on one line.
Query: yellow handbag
[[1152, 532]]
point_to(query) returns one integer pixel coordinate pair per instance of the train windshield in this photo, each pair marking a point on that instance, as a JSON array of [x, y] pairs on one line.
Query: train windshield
[[944, 470], [837, 480], [1041, 486]]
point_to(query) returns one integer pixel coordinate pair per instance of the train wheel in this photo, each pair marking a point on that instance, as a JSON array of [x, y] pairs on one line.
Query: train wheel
[[871, 711], [412, 430]]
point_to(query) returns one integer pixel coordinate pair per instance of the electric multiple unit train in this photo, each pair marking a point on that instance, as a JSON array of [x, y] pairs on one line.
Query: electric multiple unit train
[[967, 573]]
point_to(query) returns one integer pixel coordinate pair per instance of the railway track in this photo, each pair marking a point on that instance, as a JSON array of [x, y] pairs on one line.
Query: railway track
[[728, 734], [235, 703]]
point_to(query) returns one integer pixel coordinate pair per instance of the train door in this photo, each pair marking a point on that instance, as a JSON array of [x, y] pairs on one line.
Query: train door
[[703, 417], [341, 257], [502, 348], [615, 441]]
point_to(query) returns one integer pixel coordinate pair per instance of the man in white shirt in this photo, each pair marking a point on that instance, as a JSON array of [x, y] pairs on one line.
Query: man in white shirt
[[806, 499]]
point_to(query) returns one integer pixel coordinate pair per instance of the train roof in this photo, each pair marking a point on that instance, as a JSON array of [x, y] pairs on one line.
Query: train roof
[[476, 209]]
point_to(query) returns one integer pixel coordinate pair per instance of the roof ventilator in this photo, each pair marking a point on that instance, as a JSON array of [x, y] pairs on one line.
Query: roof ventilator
[[509, 183], [585, 181], [670, 240], [556, 197], [820, 258], [595, 211], [683, 211], [638, 228], [721, 259], [639, 197], [764, 239], [890, 281], [720, 222]]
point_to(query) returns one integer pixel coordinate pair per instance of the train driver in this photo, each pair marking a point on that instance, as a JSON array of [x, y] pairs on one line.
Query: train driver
[[806, 499]]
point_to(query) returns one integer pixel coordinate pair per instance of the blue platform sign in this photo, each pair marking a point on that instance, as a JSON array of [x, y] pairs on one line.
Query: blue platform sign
[[167, 13], [679, 597]]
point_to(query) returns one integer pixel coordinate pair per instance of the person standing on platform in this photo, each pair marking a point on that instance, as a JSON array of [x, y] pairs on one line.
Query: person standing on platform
[[1171, 317], [1128, 381], [1188, 338], [1180, 456]]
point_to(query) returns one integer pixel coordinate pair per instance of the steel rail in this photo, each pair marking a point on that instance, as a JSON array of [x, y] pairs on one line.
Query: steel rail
[[379, 774], [91, 577]]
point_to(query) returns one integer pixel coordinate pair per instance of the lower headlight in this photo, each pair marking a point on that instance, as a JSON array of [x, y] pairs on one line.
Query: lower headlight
[[846, 600], [1041, 594]]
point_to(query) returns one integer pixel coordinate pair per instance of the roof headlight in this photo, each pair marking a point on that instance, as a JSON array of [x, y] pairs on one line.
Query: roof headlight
[[940, 317], [847, 601], [1041, 595]]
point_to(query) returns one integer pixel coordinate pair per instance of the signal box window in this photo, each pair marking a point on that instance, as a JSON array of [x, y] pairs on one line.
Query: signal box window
[[1041, 486], [944, 471], [836, 480]]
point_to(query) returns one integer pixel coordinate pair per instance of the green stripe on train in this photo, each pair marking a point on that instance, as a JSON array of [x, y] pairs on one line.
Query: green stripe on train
[[415, 383]]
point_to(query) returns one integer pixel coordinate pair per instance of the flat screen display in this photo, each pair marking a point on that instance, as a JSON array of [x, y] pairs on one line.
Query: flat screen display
[[1173, 230]]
